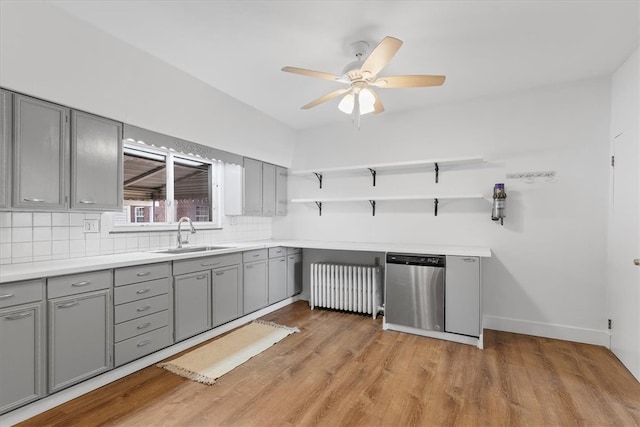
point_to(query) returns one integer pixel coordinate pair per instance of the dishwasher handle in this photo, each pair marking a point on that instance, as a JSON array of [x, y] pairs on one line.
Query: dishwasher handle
[[416, 259]]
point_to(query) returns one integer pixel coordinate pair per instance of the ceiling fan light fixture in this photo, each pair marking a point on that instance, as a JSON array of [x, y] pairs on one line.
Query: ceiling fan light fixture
[[346, 104], [367, 101]]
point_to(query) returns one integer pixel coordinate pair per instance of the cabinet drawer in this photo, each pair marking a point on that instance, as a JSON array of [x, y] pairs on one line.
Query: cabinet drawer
[[257, 255], [21, 292], [137, 291], [78, 283], [136, 347], [141, 325], [277, 252], [205, 263], [291, 251], [135, 309], [141, 273]]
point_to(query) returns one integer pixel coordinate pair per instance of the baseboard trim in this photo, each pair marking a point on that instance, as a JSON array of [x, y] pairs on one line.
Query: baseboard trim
[[462, 339], [32, 409], [548, 330]]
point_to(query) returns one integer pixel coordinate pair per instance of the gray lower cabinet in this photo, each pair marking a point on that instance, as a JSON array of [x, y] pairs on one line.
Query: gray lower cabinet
[[252, 187], [22, 344], [294, 273], [143, 321], [96, 163], [281, 191], [41, 144], [227, 293], [192, 304], [277, 274], [255, 280], [268, 189], [80, 343], [5, 148], [462, 295]]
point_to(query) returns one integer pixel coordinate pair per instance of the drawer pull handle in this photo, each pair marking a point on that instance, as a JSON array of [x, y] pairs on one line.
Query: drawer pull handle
[[83, 283], [249, 266], [143, 343], [87, 202], [256, 255], [469, 259], [33, 200], [204, 264], [68, 304], [144, 325], [219, 273], [5, 296], [19, 316], [145, 273], [144, 308], [282, 260], [204, 276], [143, 291]]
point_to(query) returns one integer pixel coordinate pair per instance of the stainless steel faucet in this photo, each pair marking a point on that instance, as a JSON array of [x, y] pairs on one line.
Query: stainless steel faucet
[[184, 240]]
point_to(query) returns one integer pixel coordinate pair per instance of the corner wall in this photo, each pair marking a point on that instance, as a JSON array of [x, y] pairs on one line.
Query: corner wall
[[547, 273]]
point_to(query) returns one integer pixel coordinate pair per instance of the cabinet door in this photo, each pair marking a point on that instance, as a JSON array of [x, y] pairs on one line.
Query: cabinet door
[[21, 355], [268, 189], [462, 295], [255, 286], [294, 274], [252, 187], [5, 148], [192, 303], [227, 294], [96, 162], [80, 339], [277, 279], [281, 191], [40, 154]]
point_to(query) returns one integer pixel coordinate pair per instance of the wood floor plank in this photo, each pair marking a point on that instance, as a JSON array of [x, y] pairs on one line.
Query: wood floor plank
[[342, 369]]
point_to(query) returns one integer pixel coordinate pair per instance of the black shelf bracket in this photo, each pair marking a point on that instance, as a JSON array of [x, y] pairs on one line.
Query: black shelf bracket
[[373, 207], [319, 205], [373, 175], [319, 176], [435, 207], [437, 169]]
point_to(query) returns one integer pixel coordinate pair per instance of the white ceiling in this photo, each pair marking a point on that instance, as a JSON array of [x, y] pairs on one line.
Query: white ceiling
[[483, 47]]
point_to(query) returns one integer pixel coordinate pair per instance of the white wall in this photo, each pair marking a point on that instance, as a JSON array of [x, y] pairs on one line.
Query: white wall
[[48, 53], [546, 276]]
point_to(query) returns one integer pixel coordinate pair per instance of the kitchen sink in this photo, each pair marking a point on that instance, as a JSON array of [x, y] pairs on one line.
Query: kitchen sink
[[191, 249]]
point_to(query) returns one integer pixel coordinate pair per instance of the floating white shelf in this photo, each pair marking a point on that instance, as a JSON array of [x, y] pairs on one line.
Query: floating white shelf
[[375, 167], [373, 199]]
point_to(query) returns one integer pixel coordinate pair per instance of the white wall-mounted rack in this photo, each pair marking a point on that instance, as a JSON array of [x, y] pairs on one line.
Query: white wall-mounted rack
[[373, 199], [375, 167]]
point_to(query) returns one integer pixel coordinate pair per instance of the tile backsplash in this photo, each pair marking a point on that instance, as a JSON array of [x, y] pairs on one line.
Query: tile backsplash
[[45, 236]]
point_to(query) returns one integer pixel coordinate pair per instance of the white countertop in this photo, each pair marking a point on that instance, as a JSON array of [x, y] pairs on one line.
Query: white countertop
[[37, 270]]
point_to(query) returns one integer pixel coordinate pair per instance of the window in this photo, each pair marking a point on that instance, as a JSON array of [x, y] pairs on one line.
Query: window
[[161, 186]]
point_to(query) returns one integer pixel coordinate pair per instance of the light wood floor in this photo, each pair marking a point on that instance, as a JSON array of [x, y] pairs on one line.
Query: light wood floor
[[343, 370]]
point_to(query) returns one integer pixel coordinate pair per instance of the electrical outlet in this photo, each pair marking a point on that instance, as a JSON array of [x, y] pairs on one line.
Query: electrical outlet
[[91, 226]]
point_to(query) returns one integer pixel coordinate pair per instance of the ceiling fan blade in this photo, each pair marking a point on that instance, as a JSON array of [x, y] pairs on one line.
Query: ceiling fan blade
[[325, 98], [377, 105], [380, 56], [312, 73], [408, 81]]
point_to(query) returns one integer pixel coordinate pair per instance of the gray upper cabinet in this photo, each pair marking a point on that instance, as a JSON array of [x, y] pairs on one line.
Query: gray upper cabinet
[[268, 189], [40, 154], [252, 187], [96, 163], [281, 191], [5, 148]]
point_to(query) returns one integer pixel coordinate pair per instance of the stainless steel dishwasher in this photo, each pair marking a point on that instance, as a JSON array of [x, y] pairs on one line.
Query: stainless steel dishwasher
[[414, 291]]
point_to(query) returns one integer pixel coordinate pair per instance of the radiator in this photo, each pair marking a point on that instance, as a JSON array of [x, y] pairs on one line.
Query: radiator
[[356, 288]]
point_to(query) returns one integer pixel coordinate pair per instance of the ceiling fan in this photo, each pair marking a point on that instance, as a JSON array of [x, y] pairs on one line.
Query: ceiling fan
[[362, 76]]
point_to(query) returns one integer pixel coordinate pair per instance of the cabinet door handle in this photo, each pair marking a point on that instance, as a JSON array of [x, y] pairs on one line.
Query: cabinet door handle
[[144, 325], [204, 264], [248, 266], [19, 316], [143, 273], [143, 308], [87, 202], [33, 200], [5, 296], [83, 283], [256, 255], [204, 276], [68, 304], [282, 260], [219, 273], [469, 259], [143, 291], [143, 343]]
